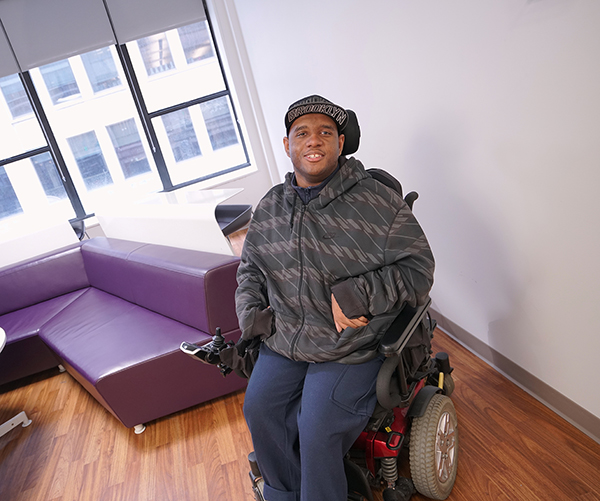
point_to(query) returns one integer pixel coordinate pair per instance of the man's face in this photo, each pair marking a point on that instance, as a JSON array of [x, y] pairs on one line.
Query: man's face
[[314, 147]]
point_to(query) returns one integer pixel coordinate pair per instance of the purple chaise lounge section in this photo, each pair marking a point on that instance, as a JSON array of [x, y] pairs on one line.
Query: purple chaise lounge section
[[114, 313], [31, 293]]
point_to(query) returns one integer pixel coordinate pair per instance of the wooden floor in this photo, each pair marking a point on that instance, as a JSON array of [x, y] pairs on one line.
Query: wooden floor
[[511, 447]]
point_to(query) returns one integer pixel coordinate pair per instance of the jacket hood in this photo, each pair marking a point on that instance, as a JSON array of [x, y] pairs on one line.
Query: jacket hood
[[351, 172]]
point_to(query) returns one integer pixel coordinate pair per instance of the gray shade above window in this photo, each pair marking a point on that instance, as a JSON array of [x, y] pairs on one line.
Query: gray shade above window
[[133, 19], [45, 31], [8, 65]]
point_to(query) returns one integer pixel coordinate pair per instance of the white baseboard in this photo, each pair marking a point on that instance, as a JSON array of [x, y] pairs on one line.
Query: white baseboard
[[579, 417]]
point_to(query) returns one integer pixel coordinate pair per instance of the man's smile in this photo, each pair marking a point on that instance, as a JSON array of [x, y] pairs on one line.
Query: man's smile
[[313, 156]]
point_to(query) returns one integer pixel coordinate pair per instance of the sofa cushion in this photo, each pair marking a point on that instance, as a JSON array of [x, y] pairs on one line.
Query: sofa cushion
[[99, 334], [25, 353], [107, 266], [193, 287], [128, 357], [41, 278], [26, 322]]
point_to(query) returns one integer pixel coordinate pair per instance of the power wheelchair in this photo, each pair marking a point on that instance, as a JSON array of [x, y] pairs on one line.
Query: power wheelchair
[[414, 416]]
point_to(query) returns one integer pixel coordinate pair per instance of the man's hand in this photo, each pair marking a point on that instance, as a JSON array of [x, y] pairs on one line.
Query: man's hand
[[342, 321]]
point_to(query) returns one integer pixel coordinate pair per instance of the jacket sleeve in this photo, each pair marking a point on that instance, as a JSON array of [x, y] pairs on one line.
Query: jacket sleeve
[[407, 275], [254, 314]]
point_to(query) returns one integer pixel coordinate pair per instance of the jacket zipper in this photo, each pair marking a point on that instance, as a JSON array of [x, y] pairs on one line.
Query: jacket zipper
[[301, 287]]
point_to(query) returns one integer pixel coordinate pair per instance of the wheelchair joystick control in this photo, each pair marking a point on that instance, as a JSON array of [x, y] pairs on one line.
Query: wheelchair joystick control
[[218, 340], [209, 352]]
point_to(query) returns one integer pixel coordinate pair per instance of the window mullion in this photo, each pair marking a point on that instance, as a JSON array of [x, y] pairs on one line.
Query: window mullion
[[222, 66], [23, 156], [54, 150], [145, 118], [188, 104]]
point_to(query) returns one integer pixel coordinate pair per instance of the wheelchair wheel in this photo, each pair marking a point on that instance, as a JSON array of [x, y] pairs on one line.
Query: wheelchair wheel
[[434, 448]]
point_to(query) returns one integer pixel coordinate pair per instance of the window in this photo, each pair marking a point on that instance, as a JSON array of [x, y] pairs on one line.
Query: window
[[219, 123], [181, 134], [184, 82], [101, 70], [60, 81], [189, 106], [117, 123], [90, 160], [195, 40], [98, 134], [49, 177], [9, 203], [156, 54], [30, 183], [128, 146], [20, 132], [15, 96], [33, 186]]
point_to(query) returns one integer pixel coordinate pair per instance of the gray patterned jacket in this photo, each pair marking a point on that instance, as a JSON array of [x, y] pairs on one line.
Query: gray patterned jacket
[[357, 239]]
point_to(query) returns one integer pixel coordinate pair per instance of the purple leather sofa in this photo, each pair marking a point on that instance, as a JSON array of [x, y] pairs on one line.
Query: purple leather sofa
[[113, 313]]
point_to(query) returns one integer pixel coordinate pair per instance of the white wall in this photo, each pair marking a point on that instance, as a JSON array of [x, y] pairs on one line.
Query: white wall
[[491, 110]]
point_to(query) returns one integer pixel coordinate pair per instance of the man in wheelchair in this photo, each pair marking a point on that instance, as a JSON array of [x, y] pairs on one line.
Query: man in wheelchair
[[331, 257]]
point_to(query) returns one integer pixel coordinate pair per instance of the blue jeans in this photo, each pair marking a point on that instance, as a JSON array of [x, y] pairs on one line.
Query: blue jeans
[[303, 419]]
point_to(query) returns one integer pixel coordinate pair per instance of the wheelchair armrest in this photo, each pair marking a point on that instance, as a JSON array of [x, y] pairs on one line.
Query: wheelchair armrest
[[398, 334]]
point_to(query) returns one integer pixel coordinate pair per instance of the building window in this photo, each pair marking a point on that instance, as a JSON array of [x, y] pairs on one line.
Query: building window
[[49, 177], [9, 203], [195, 40], [156, 54], [219, 123], [128, 146], [15, 96], [60, 81], [181, 134], [101, 70], [90, 160], [32, 186]]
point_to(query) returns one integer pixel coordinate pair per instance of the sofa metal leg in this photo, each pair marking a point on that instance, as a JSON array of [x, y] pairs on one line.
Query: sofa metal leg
[[61, 368], [139, 428], [20, 418]]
